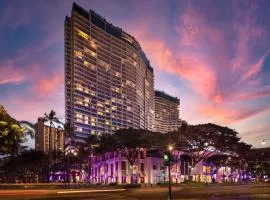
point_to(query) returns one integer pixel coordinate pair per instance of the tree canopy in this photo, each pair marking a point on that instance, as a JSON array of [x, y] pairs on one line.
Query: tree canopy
[[12, 135]]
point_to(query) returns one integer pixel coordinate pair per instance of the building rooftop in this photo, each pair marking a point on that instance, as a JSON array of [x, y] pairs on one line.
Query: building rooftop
[[168, 97], [102, 23]]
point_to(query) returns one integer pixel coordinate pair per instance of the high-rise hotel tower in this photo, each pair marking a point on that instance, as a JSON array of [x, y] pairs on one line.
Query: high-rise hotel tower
[[166, 112], [109, 83]]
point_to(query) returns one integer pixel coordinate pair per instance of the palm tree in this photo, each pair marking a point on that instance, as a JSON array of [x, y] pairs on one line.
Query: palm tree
[[68, 131], [51, 118]]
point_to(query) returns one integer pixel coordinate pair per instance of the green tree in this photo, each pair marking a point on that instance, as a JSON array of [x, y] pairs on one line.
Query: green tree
[[29, 166], [12, 135], [204, 140]]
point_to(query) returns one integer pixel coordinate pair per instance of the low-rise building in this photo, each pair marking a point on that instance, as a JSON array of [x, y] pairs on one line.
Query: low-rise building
[[150, 168]]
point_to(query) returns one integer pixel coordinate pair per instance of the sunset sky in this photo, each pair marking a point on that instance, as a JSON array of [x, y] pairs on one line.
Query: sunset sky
[[213, 55]]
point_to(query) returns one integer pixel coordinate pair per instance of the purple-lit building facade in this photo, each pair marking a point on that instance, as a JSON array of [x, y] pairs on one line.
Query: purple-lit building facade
[[149, 168], [113, 167]]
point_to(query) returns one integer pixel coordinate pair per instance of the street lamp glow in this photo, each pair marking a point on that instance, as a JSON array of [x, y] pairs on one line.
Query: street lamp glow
[[75, 153], [263, 142], [170, 148]]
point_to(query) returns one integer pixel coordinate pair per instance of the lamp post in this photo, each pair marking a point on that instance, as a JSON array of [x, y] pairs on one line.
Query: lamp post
[[264, 141], [169, 166], [70, 151]]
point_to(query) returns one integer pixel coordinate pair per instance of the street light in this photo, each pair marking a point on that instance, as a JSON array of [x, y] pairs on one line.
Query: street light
[[169, 166], [264, 141], [70, 151]]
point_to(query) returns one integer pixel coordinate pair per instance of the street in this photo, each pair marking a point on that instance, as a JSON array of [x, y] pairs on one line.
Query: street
[[213, 192]]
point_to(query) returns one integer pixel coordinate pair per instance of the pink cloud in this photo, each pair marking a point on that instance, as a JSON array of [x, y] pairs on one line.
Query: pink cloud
[[256, 68], [8, 75], [203, 58], [50, 84], [228, 115]]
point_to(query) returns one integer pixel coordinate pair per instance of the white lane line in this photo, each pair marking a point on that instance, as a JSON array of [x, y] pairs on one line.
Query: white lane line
[[89, 191]]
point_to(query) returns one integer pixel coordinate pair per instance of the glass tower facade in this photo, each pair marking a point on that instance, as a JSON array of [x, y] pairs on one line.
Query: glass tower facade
[[109, 83]]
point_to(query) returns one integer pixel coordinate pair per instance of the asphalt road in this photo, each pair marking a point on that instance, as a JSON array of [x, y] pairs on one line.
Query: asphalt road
[[212, 192]]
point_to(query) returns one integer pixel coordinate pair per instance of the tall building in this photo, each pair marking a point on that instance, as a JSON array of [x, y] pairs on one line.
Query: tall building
[[109, 83], [42, 137], [166, 112]]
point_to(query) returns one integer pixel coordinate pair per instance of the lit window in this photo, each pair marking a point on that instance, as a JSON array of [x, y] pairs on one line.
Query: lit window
[[93, 123], [107, 102], [78, 54], [93, 132], [85, 117], [93, 67], [93, 94], [93, 44], [79, 120], [128, 108], [104, 64], [86, 100], [99, 104], [83, 34], [107, 122], [107, 110], [93, 119], [93, 54], [79, 129], [117, 74], [79, 102], [100, 113], [79, 115], [114, 107], [86, 122], [86, 63], [90, 52]]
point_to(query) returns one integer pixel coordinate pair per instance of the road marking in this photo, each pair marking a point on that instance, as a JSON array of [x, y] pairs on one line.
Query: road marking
[[89, 191]]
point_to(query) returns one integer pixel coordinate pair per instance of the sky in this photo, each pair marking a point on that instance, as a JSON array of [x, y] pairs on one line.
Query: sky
[[213, 55]]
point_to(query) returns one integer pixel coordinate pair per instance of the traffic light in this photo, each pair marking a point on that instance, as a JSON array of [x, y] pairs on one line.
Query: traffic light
[[167, 159], [163, 173]]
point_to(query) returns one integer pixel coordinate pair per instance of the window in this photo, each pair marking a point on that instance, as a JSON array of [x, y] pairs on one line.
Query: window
[[124, 179], [155, 167], [123, 165], [142, 167], [116, 166], [83, 35], [111, 169], [141, 155], [93, 44], [79, 115], [79, 102], [93, 119], [78, 54]]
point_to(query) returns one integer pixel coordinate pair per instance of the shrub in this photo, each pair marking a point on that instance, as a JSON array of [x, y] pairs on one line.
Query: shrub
[[112, 184], [132, 186]]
